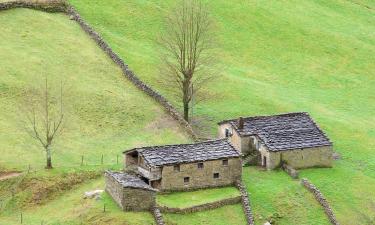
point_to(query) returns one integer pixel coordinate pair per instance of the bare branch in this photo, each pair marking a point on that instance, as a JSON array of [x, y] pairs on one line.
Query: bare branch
[[186, 45]]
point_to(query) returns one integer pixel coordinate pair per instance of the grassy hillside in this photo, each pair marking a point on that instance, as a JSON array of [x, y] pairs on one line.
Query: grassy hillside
[[105, 114], [70, 208], [277, 56]]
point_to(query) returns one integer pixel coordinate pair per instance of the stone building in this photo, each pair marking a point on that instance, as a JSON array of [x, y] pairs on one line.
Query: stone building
[[129, 191], [292, 138], [186, 166]]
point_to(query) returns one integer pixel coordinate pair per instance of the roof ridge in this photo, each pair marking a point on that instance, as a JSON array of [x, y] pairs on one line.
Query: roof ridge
[[173, 145], [265, 116]]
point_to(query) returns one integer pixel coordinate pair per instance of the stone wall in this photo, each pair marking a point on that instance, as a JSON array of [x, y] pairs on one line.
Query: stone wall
[[299, 158], [203, 207], [245, 200], [201, 177], [48, 6], [114, 189], [158, 216], [129, 199], [321, 199], [128, 73], [290, 170]]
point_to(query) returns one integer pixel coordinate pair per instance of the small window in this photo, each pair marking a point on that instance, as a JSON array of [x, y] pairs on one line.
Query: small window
[[227, 132], [186, 179], [176, 168], [225, 162], [200, 165], [216, 175]]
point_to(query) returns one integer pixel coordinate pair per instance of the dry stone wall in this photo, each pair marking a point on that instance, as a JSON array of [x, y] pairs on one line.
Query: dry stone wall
[[290, 170], [128, 73], [158, 216], [203, 207], [321, 199], [48, 6], [245, 203]]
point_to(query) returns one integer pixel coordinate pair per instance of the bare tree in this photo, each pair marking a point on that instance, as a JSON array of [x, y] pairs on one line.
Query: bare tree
[[44, 118], [186, 45]]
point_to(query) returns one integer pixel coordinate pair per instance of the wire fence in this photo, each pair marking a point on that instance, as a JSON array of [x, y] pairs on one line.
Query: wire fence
[[13, 183]]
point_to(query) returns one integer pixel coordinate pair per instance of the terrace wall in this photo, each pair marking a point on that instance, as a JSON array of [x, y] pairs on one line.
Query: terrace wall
[[203, 207]]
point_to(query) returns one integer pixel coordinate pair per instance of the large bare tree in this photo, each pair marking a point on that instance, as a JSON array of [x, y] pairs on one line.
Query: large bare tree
[[44, 117], [186, 43]]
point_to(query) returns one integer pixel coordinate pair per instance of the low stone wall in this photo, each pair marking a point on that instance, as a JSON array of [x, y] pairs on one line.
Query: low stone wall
[[48, 6], [158, 216], [245, 199], [62, 6], [203, 207], [320, 198], [290, 170]]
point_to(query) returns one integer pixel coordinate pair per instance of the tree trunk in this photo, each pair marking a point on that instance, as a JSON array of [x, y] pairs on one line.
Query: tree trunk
[[49, 158], [186, 111], [185, 98]]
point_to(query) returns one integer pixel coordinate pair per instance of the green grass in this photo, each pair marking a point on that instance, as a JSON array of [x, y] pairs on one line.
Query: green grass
[[230, 214], [105, 113], [276, 56], [188, 199], [273, 194], [70, 208]]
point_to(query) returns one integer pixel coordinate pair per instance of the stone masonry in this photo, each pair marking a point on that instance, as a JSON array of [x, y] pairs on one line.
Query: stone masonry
[[321, 199], [129, 191]]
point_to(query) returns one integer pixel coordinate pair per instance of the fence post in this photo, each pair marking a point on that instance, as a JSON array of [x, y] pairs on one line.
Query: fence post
[[82, 160], [102, 159], [21, 218], [104, 208], [117, 159]]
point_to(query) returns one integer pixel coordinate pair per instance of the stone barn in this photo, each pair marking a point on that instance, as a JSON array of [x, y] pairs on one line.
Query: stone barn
[[187, 166], [292, 138], [129, 191]]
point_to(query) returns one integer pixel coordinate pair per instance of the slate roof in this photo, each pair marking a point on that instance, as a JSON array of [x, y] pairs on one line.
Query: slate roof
[[187, 153], [130, 180], [283, 131]]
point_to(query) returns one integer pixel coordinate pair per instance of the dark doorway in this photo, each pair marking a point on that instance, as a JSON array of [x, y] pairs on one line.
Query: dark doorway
[[264, 161]]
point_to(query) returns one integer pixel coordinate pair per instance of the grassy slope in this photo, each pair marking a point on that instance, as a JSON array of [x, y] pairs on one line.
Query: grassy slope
[[274, 194], [188, 199], [278, 56], [105, 113], [71, 209]]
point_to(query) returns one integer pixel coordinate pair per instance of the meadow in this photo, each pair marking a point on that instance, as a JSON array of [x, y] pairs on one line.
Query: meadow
[[104, 113], [274, 57]]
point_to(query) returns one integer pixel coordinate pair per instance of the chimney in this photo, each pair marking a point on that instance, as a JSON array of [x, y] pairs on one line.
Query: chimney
[[240, 123]]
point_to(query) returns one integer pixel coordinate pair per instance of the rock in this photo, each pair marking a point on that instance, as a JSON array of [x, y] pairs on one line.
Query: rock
[[93, 194], [336, 156], [267, 223]]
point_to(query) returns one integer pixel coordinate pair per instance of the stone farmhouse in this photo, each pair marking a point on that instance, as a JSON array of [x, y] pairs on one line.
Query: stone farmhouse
[[292, 138], [186, 166]]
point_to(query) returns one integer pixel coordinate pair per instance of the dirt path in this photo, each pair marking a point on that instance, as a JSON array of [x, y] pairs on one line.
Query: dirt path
[[7, 175]]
